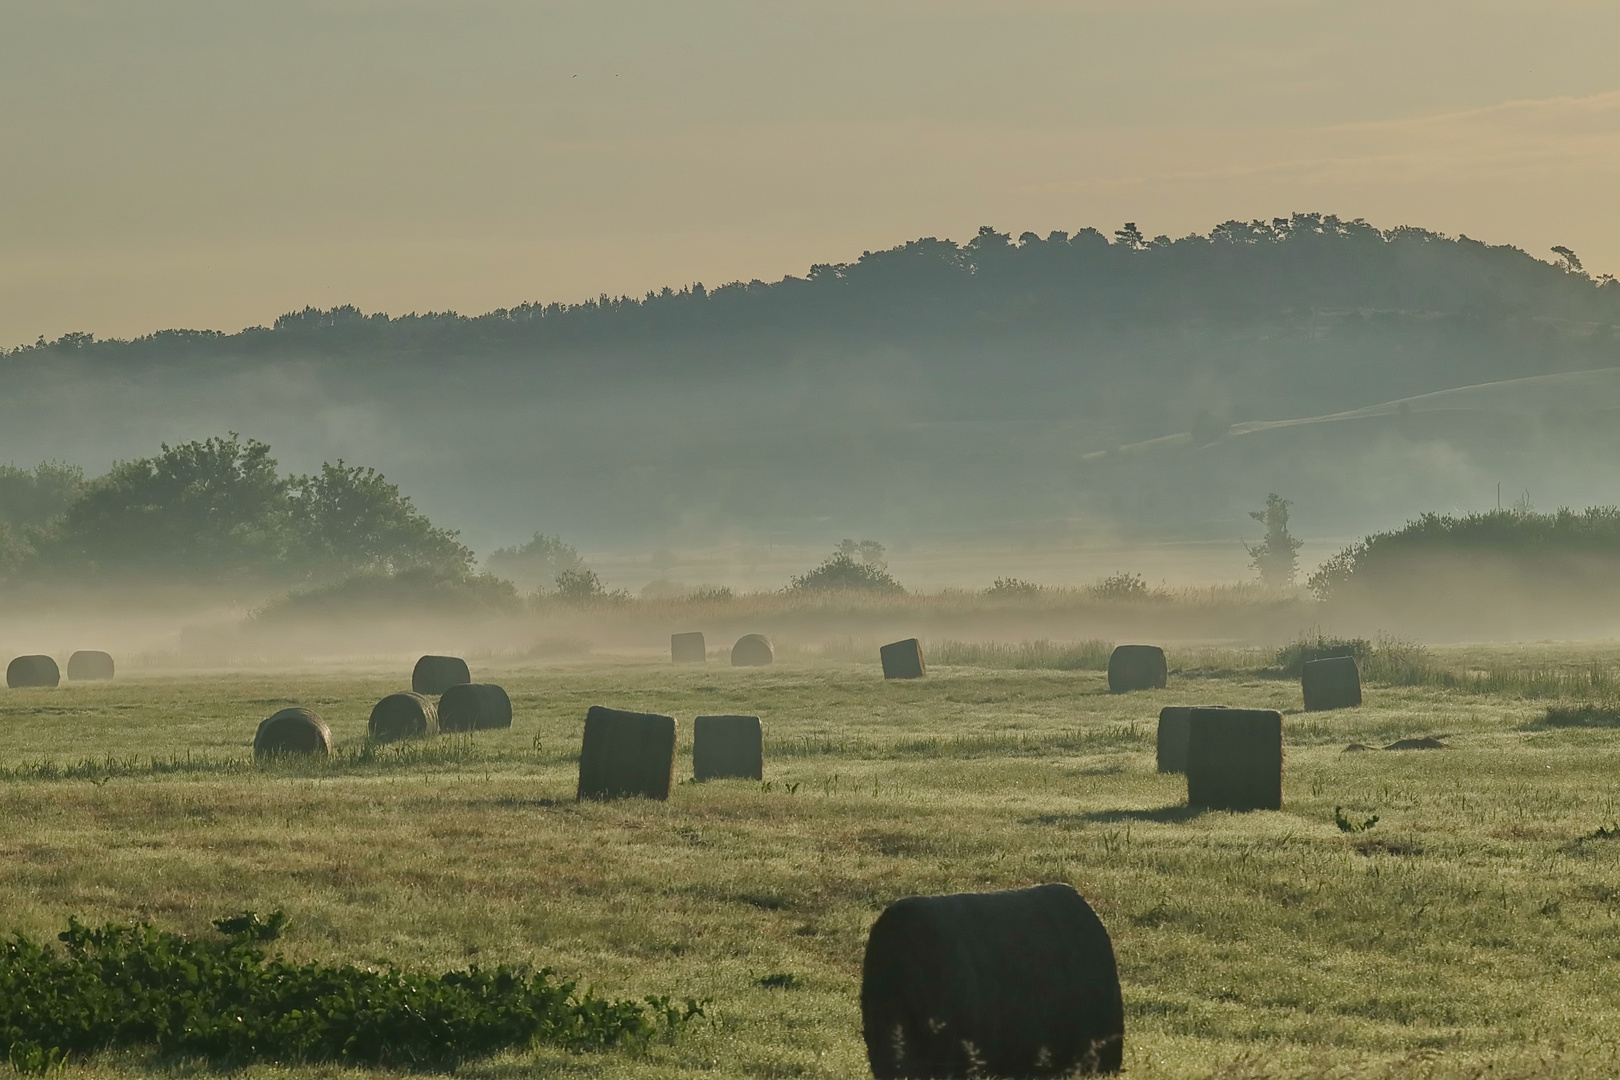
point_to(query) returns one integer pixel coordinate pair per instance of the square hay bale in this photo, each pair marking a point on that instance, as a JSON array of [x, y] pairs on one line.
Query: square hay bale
[[1331, 683], [903, 660], [725, 747], [687, 648], [1136, 667], [1171, 745], [626, 754], [1235, 759]]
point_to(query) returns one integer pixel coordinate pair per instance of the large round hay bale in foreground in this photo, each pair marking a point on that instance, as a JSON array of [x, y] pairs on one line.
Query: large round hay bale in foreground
[[474, 707], [1235, 759], [626, 754], [1171, 746], [1333, 682], [293, 731], [32, 671], [727, 747], [752, 650], [403, 716], [1018, 983], [1136, 667], [88, 664], [687, 648], [433, 675], [902, 660]]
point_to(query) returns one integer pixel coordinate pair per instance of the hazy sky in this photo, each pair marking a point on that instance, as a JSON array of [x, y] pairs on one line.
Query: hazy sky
[[215, 163]]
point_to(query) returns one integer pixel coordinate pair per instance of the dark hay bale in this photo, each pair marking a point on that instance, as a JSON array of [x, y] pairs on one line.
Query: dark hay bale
[[1136, 667], [433, 675], [1428, 742], [1013, 984], [687, 648], [1171, 746], [474, 707], [752, 650], [403, 716], [89, 664], [1235, 759], [1331, 683], [32, 671], [903, 660], [293, 731], [728, 746], [626, 754]]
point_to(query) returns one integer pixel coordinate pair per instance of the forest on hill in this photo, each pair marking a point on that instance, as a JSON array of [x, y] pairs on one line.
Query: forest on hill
[[1037, 385]]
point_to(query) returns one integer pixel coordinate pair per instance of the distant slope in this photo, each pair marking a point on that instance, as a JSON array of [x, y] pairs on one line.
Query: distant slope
[[929, 390]]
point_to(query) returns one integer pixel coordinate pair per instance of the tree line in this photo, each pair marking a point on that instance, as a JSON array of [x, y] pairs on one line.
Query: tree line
[[216, 510], [992, 285]]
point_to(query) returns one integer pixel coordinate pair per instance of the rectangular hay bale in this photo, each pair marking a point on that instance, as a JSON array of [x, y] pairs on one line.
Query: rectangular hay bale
[[902, 660], [726, 747], [1234, 759], [625, 754], [687, 648]]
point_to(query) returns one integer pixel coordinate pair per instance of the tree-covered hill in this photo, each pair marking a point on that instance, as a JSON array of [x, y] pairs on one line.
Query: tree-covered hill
[[927, 388]]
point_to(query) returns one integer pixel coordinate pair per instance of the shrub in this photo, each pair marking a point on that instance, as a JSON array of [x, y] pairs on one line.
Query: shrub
[[840, 572], [1007, 588], [582, 586], [1291, 659], [1121, 586], [230, 1004]]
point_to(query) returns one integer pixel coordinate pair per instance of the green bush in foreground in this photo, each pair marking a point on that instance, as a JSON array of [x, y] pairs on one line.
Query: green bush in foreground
[[227, 1002]]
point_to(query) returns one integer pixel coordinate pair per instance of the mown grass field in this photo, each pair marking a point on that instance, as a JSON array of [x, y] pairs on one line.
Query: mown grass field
[[1476, 924]]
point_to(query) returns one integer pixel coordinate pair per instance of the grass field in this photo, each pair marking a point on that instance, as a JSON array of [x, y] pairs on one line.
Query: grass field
[[1476, 925]]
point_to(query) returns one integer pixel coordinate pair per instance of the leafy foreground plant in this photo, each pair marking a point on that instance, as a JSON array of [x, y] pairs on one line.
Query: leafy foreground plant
[[230, 1004]]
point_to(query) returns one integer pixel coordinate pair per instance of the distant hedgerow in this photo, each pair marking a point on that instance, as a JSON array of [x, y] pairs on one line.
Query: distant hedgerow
[[228, 1003], [1565, 546]]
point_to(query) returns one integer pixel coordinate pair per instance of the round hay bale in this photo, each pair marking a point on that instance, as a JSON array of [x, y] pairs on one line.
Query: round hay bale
[[292, 731], [90, 664], [1136, 667], [403, 716], [752, 650], [1019, 983], [433, 675], [474, 707], [32, 671], [687, 648], [1333, 682]]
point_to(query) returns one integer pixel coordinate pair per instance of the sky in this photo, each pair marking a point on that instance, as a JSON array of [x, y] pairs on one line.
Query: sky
[[214, 163]]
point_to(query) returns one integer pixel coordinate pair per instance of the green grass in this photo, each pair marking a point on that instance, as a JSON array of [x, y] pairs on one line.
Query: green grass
[[1477, 923]]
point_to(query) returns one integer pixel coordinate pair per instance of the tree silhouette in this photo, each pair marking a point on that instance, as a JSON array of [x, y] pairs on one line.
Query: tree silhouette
[[1276, 556]]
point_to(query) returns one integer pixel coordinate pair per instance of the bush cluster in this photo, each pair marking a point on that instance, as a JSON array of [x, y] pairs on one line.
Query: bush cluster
[[227, 1002]]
